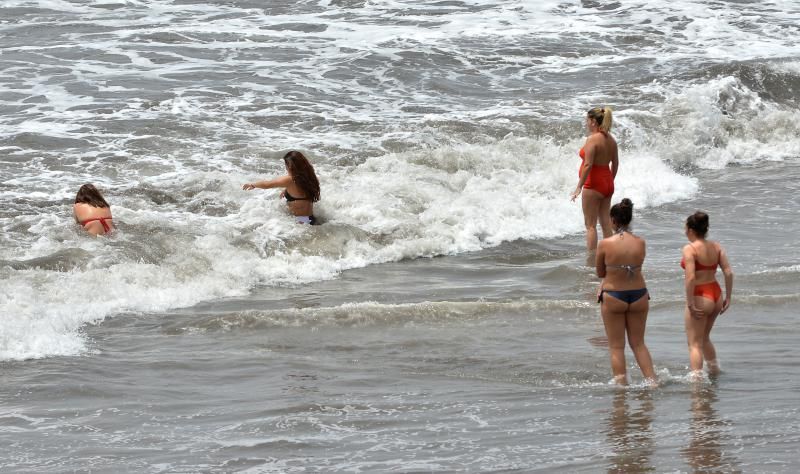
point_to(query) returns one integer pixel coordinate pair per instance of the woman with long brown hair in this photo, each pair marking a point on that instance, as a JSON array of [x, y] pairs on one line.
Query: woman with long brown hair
[[91, 211], [300, 187]]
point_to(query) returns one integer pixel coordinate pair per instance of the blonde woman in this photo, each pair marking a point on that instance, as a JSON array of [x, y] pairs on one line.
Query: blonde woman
[[599, 167]]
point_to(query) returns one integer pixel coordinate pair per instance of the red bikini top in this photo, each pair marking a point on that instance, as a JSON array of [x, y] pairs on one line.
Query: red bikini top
[[699, 266], [102, 221]]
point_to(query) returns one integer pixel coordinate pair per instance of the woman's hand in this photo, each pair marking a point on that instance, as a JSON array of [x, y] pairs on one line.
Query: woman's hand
[[725, 305], [248, 186], [575, 194]]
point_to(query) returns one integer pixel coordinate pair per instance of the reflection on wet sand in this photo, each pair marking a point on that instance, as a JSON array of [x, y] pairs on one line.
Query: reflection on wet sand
[[706, 449], [628, 432]]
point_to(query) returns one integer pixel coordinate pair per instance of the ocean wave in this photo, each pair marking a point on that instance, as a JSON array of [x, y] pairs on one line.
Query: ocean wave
[[188, 238], [372, 313], [435, 129], [715, 123], [790, 269]]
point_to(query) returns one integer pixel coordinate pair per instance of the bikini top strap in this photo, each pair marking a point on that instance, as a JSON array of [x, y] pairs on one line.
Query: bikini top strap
[[631, 269], [101, 220], [697, 259]]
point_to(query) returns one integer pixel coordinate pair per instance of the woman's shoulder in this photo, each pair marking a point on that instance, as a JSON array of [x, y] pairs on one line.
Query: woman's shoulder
[[86, 209], [636, 241], [284, 180], [86, 205], [608, 139], [596, 137], [615, 242]]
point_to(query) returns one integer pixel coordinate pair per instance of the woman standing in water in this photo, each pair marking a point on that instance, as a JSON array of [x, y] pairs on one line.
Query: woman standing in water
[[91, 211], [301, 187], [704, 300], [596, 183], [623, 294]]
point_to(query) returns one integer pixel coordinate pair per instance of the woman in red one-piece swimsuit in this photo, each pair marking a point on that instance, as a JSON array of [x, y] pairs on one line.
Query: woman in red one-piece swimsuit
[[596, 184]]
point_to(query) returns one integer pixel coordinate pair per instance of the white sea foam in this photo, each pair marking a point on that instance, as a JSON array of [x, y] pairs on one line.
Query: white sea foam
[[781, 269], [720, 122], [427, 203], [400, 104]]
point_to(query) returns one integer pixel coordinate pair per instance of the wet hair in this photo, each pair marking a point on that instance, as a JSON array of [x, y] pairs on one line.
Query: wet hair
[[88, 194], [622, 212], [302, 174], [698, 222], [602, 117]]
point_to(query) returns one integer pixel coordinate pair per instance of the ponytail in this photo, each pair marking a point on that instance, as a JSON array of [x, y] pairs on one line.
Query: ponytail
[[602, 117]]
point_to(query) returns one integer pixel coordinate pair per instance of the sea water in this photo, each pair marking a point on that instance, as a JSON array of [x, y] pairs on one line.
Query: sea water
[[441, 318]]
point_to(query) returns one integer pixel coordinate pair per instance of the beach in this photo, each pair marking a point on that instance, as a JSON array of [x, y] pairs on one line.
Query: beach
[[442, 318]]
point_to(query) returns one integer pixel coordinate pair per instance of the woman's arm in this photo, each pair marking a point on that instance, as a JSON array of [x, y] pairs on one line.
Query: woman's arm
[[588, 161], [728, 272], [281, 182], [689, 282], [600, 260], [600, 268], [614, 160]]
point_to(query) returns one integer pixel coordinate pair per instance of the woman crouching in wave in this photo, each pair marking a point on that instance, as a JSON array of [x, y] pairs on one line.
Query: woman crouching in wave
[[91, 211], [301, 187]]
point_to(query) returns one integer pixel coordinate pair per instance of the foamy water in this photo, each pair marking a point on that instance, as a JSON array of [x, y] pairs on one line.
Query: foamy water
[[435, 131], [171, 153]]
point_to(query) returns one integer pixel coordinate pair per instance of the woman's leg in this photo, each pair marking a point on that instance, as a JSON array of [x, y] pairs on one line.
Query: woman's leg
[[590, 201], [694, 339], [605, 216], [709, 351], [613, 311], [636, 321], [696, 330]]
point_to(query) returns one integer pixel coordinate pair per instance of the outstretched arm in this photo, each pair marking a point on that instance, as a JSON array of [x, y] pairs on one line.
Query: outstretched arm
[[281, 182]]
